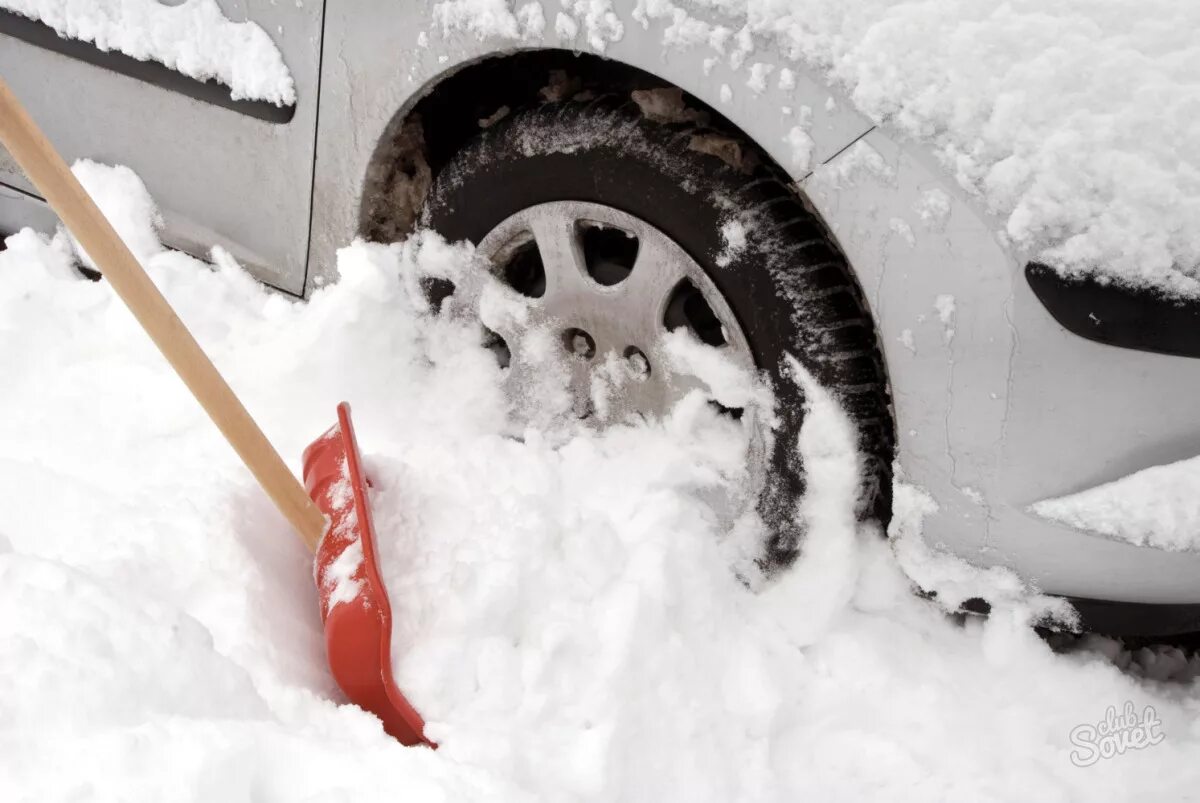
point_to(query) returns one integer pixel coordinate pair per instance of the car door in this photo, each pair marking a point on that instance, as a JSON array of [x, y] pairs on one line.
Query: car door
[[231, 171]]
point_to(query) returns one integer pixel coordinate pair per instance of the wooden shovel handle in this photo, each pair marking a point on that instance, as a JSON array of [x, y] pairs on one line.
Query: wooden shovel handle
[[50, 174]]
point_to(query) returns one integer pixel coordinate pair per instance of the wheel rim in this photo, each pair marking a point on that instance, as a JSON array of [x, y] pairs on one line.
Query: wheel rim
[[610, 287], [604, 306]]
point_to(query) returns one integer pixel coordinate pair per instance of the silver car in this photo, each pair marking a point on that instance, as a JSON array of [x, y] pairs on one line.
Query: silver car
[[643, 190]]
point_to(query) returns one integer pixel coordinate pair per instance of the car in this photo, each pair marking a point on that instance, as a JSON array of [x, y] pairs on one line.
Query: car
[[633, 190]]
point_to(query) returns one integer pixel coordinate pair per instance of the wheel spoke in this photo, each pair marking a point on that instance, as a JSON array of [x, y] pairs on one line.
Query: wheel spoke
[[643, 295], [562, 255]]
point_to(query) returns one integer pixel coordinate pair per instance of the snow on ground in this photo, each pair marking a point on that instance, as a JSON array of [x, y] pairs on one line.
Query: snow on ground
[[1158, 506], [192, 37], [567, 615], [1077, 121]]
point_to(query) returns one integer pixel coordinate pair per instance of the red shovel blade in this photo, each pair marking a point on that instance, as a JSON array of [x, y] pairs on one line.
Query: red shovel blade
[[354, 603]]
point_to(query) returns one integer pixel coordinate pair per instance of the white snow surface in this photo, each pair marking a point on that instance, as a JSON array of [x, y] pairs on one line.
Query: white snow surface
[[121, 192], [567, 615], [1158, 507], [193, 37], [1077, 121]]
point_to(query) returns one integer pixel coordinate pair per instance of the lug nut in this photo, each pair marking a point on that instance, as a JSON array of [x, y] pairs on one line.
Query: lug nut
[[639, 366], [579, 343]]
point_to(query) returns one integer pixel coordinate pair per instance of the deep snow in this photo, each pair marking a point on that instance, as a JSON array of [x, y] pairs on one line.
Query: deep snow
[[568, 614]]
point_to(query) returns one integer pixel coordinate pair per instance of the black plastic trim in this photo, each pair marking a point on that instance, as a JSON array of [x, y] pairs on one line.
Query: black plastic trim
[[35, 33], [1123, 619], [1117, 315], [1136, 618]]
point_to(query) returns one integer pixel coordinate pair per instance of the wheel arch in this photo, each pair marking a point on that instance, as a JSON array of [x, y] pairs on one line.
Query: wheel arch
[[454, 107]]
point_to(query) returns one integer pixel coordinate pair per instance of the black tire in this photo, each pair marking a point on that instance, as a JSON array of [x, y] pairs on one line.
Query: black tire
[[790, 287]]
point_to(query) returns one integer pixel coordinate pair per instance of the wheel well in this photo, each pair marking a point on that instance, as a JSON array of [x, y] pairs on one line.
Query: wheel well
[[424, 137]]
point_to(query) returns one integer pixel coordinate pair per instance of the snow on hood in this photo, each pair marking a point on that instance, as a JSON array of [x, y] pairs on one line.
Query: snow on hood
[[1077, 122], [193, 37]]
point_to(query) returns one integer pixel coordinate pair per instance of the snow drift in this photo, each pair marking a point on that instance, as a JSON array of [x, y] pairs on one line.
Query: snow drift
[[568, 617]]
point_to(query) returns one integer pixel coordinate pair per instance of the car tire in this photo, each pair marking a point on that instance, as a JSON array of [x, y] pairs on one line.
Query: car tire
[[789, 285]]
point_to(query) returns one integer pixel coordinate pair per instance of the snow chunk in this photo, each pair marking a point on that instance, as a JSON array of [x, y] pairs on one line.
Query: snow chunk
[[341, 583], [193, 37], [491, 18], [823, 580], [565, 26], [933, 207], [1157, 507], [124, 200], [501, 19], [599, 21], [900, 227], [730, 384], [759, 72], [27, 253], [953, 580], [945, 306], [802, 145], [733, 235]]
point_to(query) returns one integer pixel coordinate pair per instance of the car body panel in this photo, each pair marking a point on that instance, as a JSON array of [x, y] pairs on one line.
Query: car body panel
[[1001, 407], [218, 176]]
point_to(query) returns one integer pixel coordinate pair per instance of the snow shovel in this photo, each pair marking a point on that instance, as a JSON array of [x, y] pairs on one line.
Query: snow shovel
[[354, 604]]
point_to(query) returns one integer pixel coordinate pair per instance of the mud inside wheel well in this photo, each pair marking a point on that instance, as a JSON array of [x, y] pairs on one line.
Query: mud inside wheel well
[[423, 137]]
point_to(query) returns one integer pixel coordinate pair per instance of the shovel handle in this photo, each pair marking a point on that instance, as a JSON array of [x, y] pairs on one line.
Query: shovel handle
[[50, 174]]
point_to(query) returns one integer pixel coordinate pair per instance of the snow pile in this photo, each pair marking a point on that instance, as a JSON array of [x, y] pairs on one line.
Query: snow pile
[[567, 616], [1078, 122], [127, 203], [1158, 507], [193, 37]]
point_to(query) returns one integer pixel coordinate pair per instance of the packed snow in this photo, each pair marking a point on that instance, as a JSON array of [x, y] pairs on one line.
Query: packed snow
[[1158, 506], [193, 37], [1077, 122], [572, 617]]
